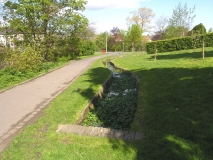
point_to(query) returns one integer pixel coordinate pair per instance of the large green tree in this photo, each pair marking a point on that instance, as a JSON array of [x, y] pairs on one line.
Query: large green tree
[[199, 29], [100, 41], [43, 21], [173, 32], [182, 18], [134, 37]]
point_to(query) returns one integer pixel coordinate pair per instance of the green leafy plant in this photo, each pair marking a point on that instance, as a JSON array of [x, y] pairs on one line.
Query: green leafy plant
[[117, 108], [29, 59]]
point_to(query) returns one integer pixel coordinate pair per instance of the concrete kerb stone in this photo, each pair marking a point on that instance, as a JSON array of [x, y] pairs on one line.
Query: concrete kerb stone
[[95, 131], [138, 136], [129, 136], [5, 136], [87, 131], [13, 131], [59, 128], [99, 132], [117, 134]]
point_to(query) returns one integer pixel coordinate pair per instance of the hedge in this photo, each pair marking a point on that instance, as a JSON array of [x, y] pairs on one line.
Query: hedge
[[179, 43]]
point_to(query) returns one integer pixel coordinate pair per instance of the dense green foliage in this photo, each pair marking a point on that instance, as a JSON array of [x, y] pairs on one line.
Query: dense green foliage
[[100, 41], [28, 59], [134, 38], [44, 23], [174, 32], [179, 44], [9, 76], [117, 108], [87, 48], [199, 29]]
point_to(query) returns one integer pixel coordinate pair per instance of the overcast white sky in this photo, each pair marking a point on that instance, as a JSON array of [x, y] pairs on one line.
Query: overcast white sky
[[113, 13]]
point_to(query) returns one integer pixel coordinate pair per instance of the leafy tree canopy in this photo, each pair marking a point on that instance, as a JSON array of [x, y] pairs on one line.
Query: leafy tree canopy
[[199, 29], [41, 21]]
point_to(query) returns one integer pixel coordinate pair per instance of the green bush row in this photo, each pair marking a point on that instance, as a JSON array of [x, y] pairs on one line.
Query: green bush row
[[179, 43]]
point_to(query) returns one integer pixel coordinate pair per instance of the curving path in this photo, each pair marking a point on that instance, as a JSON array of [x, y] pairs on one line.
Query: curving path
[[21, 104]]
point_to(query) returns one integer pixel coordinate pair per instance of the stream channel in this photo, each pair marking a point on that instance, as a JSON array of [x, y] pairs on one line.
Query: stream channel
[[118, 106]]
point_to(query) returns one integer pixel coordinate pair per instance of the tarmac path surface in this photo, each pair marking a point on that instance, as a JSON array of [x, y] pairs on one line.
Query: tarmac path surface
[[21, 103]]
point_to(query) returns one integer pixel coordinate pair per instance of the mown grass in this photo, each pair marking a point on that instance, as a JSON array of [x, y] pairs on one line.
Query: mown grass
[[174, 113], [175, 104]]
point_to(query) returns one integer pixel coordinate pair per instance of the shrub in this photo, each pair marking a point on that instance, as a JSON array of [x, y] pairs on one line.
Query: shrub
[[87, 48], [29, 59]]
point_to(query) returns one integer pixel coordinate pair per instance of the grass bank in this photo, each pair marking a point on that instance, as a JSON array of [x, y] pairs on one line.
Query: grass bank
[[174, 113], [175, 104]]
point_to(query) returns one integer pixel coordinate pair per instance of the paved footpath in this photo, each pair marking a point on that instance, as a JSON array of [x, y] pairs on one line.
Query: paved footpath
[[23, 103]]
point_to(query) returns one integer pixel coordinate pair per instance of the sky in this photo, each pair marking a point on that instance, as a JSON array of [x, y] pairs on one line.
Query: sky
[[107, 14]]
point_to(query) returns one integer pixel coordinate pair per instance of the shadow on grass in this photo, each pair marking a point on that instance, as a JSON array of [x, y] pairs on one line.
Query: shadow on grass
[[175, 114], [96, 76], [187, 55]]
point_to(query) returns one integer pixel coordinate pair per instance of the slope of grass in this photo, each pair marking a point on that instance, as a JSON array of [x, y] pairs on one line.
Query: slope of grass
[[174, 113], [175, 104]]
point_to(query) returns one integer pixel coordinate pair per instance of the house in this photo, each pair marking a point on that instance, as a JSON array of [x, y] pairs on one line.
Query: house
[[3, 39], [8, 40]]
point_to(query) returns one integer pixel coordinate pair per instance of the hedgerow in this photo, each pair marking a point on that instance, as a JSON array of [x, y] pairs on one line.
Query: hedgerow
[[179, 43]]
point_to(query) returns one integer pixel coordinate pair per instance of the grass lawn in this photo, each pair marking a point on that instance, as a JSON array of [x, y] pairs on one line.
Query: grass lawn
[[174, 113]]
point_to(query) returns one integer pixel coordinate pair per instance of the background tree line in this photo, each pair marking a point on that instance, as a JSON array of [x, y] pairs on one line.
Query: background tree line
[[56, 29], [142, 28]]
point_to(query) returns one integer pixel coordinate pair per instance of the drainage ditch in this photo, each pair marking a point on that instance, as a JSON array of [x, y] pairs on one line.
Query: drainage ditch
[[117, 107]]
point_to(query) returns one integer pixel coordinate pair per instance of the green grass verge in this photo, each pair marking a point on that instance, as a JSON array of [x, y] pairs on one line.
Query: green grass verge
[[174, 113], [11, 77]]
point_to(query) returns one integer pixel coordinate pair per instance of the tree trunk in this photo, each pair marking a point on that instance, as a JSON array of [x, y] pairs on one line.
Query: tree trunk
[[203, 45], [156, 50]]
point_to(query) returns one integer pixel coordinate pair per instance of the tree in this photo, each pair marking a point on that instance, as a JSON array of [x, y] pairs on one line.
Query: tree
[[41, 22], [173, 32], [199, 29], [89, 33], [134, 36], [182, 18], [116, 39], [160, 26], [115, 32], [100, 41], [210, 30], [142, 17]]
